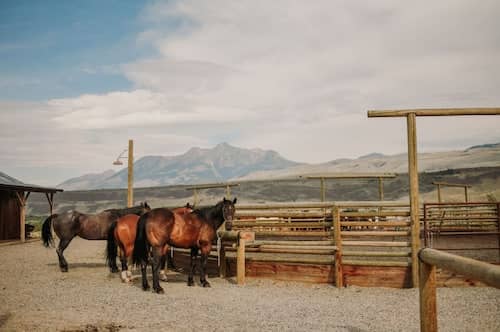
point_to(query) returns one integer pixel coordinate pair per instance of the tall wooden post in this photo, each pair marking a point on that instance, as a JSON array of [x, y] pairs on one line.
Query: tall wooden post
[[466, 192], [323, 189], [240, 261], [228, 191], [427, 294], [380, 189], [195, 197], [21, 198], [414, 205], [130, 189], [339, 277], [439, 193]]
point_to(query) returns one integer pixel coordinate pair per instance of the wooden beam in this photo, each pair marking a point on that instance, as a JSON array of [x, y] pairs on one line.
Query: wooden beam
[[22, 214], [414, 205], [351, 176], [471, 268], [130, 177], [212, 186], [447, 184], [435, 112], [323, 189], [240, 262]]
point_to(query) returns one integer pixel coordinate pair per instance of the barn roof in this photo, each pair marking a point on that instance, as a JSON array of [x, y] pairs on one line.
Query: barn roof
[[7, 182]]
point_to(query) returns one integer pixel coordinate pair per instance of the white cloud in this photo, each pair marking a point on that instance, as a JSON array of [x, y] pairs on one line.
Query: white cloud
[[294, 76]]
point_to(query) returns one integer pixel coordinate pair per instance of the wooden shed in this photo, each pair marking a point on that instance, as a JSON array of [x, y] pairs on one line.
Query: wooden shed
[[13, 197]]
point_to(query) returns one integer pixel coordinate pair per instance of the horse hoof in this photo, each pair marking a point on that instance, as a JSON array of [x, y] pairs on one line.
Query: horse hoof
[[190, 283], [145, 288], [206, 284], [114, 270], [64, 269], [159, 290]]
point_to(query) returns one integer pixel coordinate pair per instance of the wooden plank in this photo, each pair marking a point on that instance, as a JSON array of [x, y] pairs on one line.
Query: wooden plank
[[374, 263], [375, 233], [291, 243], [283, 224], [279, 214], [377, 276], [435, 112], [373, 214], [293, 233], [377, 223], [295, 250], [377, 253], [377, 243]]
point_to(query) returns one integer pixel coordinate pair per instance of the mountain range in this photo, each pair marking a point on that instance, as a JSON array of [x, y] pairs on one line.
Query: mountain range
[[226, 162]]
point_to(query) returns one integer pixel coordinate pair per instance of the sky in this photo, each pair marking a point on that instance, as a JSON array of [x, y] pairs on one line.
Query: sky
[[78, 79]]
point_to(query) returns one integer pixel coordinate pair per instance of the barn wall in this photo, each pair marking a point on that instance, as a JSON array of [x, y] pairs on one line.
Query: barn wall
[[10, 228]]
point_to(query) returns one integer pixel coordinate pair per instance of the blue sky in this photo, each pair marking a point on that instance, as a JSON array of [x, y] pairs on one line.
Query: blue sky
[[79, 78], [64, 48]]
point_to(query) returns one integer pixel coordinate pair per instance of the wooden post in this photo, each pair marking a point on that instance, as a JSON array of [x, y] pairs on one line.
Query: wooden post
[[240, 262], [439, 193], [21, 198], [414, 204], [323, 189], [228, 192], [381, 189], [195, 197], [339, 277], [498, 228], [223, 263], [130, 189], [427, 295], [466, 194]]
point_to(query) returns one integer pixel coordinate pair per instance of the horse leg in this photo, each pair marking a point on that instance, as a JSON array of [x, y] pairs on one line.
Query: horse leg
[[125, 275], [163, 274], [63, 244], [205, 251], [155, 266], [194, 253], [145, 284], [170, 260]]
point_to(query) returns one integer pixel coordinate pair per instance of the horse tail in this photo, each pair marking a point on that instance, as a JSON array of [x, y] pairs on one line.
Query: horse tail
[[111, 248], [48, 239], [141, 244]]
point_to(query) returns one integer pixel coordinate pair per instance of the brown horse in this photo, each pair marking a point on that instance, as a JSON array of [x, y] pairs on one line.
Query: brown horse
[[196, 231], [87, 226], [121, 236]]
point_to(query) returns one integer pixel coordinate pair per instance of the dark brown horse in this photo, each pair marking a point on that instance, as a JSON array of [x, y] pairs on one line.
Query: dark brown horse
[[121, 236], [196, 231], [87, 226]]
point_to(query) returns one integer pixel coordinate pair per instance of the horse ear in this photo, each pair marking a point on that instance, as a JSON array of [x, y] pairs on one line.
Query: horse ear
[[188, 205], [234, 200], [224, 199]]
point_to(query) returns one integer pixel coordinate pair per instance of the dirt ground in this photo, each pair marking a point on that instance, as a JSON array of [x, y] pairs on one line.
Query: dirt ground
[[35, 296]]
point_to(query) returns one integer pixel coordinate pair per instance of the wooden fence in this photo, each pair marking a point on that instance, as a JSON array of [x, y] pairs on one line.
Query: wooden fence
[[429, 260]]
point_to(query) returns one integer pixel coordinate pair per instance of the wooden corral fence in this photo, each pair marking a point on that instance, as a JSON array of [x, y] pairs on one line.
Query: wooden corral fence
[[341, 242], [462, 220], [430, 259], [374, 244]]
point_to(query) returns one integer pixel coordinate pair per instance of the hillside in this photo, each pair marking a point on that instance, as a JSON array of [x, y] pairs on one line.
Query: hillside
[[485, 185]]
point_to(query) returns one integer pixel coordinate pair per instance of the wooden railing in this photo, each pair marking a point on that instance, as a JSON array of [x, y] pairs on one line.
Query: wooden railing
[[429, 260]]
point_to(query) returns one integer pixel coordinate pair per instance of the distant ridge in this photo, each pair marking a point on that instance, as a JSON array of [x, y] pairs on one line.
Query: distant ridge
[[226, 162]]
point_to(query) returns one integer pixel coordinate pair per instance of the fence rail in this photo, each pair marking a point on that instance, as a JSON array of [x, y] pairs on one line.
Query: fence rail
[[429, 260]]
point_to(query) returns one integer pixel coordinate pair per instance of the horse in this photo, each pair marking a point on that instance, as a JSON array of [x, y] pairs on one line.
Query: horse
[[196, 231], [121, 236], [87, 226]]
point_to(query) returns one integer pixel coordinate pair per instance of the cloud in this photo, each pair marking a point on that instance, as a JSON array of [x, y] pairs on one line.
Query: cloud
[[293, 76]]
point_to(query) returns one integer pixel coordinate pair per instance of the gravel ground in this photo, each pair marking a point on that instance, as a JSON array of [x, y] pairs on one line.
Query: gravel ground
[[35, 296]]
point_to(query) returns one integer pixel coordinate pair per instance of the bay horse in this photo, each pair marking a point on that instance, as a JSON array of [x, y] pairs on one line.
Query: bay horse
[[121, 238], [161, 227], [87, 226]]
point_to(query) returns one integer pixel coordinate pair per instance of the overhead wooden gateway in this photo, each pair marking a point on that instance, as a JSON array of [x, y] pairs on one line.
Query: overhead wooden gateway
[[13, 197], [411, 116]]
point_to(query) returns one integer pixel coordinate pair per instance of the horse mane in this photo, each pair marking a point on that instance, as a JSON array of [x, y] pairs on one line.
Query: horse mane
[[211, 215], [129, 210]]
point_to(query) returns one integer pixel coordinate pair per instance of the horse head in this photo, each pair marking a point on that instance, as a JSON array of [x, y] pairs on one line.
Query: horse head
[[228, 211]]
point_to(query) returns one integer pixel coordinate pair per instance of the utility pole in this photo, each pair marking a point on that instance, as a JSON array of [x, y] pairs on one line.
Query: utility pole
[[130, 189]]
